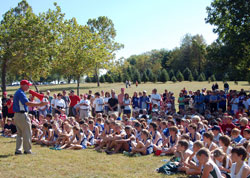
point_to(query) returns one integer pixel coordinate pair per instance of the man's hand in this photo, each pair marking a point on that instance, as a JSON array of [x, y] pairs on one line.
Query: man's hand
[[43, 103]]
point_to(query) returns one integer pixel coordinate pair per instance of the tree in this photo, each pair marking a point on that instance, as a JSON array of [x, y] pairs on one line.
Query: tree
[[144, 77], [213, 78], [28, 41], [171, 73], [173, 79], [164, 76], [231, 21], [136, 77], [195, 74], [190, 77], [104, 27], [186, 73], [110, 79], [77, 48], [102, 79], [88, 79], [179, 76], [201, 77]]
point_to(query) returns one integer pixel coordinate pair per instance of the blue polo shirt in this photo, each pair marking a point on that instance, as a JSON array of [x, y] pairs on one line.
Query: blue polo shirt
[[19, 101]]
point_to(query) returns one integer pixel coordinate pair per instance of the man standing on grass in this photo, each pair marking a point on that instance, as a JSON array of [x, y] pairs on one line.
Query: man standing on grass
[[120, 101], [74, 99], [21, 118]]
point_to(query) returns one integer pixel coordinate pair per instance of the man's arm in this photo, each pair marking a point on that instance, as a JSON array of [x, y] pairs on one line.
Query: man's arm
[[32, 104]]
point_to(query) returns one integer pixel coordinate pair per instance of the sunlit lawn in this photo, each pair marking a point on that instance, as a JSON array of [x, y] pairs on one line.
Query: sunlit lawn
[[88, 163]]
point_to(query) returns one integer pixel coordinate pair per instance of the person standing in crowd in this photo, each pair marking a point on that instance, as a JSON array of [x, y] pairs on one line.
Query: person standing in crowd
[[67, 101], [53, 104], [4, 108], [49, 110], [199, 102], [120, 101], [10, 107], [156, 98], [144, 101], [84, 107], [226, 87], [43, 109], [135, 101], [98, 103], [59, 104], [74, 99], [106, 100], [113, 103], [21, 117]]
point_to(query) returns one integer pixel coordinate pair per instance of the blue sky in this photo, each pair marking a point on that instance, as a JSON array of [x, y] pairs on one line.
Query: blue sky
[[141, 25]]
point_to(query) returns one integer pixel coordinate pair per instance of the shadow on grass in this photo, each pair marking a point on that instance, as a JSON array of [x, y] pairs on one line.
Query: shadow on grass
[[6, 156], [12, 141]]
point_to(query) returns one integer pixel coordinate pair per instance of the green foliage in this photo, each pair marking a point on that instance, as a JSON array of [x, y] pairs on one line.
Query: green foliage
[[171, 73], [102, 79], [110, 79], [125, 77], [190, 77], [213, 78], [231, 21], [173, 79], [186, 73], [136, 76], [179, 76], [225, 77], [153, 78], [195, 74], [144, 77], [88, 79], [201, 77], [164, 77]]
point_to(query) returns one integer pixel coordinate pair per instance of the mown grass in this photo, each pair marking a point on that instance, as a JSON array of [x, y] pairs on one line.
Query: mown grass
[[88, 163], [174, 87], [69, 163]]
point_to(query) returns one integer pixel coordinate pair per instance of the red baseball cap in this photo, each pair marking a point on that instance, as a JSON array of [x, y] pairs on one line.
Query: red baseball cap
[[5, 93], [25, 82]]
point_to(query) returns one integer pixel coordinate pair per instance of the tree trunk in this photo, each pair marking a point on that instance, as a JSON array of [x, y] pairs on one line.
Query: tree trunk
[[78, 85], [97, 77], [4, 71], [69, 79]]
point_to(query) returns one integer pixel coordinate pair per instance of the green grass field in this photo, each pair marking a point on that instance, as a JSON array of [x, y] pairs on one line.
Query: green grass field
[[88, 163]]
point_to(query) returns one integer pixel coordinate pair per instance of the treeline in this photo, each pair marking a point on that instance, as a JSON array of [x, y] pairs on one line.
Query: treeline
[[190, 62]]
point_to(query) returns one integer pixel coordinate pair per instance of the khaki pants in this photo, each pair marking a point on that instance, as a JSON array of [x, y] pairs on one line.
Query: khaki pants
[[84, 113], [24, 133]]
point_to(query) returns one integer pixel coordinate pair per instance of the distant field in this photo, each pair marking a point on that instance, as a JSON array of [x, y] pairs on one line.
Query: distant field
[[88, 163], [174, 87]]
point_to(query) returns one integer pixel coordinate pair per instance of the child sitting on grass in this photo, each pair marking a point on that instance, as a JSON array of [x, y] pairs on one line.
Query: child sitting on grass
[[184, 153], [210, 169], [194, 168], [222, 161], [9, 128], [224, 142], [125, 144], [89, 135], [208, 141], [156, 136], [171, 141], [78, 141], [236, 137], [144, 147]]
